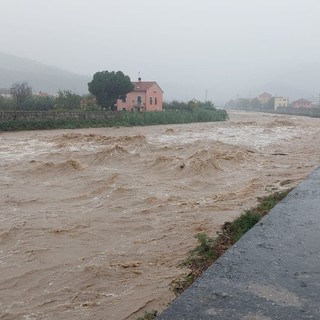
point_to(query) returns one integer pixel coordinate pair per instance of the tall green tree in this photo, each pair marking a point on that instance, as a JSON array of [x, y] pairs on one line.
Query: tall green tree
[[21, 91], [108, 87]]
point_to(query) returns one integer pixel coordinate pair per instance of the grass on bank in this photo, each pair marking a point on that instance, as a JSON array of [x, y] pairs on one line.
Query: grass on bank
[[149, 315], [123, 118], [210, 249]]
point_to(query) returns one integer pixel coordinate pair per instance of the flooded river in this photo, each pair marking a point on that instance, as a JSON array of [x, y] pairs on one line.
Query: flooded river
[[95, 221]]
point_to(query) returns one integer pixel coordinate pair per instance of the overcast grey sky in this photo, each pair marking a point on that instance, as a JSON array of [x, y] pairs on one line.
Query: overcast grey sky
[[187, 46]]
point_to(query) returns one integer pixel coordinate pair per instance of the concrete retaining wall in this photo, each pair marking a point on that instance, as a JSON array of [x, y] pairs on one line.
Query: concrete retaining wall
[[310, 112]]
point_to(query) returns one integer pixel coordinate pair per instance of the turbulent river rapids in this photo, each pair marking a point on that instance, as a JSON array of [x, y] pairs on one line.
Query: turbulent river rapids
[[94, 222]]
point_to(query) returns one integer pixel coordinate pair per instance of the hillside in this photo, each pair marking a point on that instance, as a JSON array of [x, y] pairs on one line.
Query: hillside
[[40, 76]]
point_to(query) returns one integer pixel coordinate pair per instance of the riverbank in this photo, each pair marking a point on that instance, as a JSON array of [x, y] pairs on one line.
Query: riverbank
[[46, 120], [271, 273]]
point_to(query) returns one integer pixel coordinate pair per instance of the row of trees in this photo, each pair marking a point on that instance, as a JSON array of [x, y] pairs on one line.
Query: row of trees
[[23, 99], [188, 106], [250, 104], [105, 89]]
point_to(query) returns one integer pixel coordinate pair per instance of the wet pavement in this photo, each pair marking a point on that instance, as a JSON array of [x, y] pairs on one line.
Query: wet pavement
[[273, 272]]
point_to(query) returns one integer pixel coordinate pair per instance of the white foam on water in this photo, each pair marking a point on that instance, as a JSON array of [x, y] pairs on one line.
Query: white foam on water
[[250, 136]]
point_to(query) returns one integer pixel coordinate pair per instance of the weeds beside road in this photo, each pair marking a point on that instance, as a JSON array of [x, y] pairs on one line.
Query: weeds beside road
[[210, 249]]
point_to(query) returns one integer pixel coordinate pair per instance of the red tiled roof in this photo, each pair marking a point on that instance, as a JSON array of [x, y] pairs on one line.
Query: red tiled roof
[[143, 86], [265, 94], [302, 100]]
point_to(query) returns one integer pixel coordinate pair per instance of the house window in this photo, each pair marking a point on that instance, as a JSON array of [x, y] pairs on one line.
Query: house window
[[139, 100], [155, 101], [150, 100]]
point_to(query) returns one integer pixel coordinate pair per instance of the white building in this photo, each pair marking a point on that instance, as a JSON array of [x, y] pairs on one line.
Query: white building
[[280, 102], [5, 93]]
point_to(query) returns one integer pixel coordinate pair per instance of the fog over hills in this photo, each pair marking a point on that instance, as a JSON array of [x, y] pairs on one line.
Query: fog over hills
[[40, 76], [293, 81]]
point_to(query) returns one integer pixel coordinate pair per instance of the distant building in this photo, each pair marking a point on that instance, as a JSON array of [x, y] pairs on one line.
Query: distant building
[[301, 103], [146, 96], [280, 102], [41, 94], [5, 93], [264, 97]]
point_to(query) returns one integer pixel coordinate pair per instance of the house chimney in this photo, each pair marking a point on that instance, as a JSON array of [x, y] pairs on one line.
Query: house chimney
[[139, 79]]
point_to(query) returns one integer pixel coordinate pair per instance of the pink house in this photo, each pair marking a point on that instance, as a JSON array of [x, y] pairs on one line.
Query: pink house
[[301, 103], [264, 97], [146, 96]]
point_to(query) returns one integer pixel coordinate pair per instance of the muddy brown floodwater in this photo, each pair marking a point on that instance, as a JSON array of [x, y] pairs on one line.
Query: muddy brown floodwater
[[95, 221]]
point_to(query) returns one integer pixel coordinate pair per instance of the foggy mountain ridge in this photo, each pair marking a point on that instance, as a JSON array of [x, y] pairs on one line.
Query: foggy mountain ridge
[[39, 76], [296, 81]]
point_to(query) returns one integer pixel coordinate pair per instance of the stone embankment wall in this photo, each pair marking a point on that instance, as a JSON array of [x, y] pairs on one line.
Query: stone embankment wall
[[74, 115], [311, 112], [47, 115]]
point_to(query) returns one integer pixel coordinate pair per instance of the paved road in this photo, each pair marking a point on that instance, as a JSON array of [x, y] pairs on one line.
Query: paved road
[[273, 272]]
